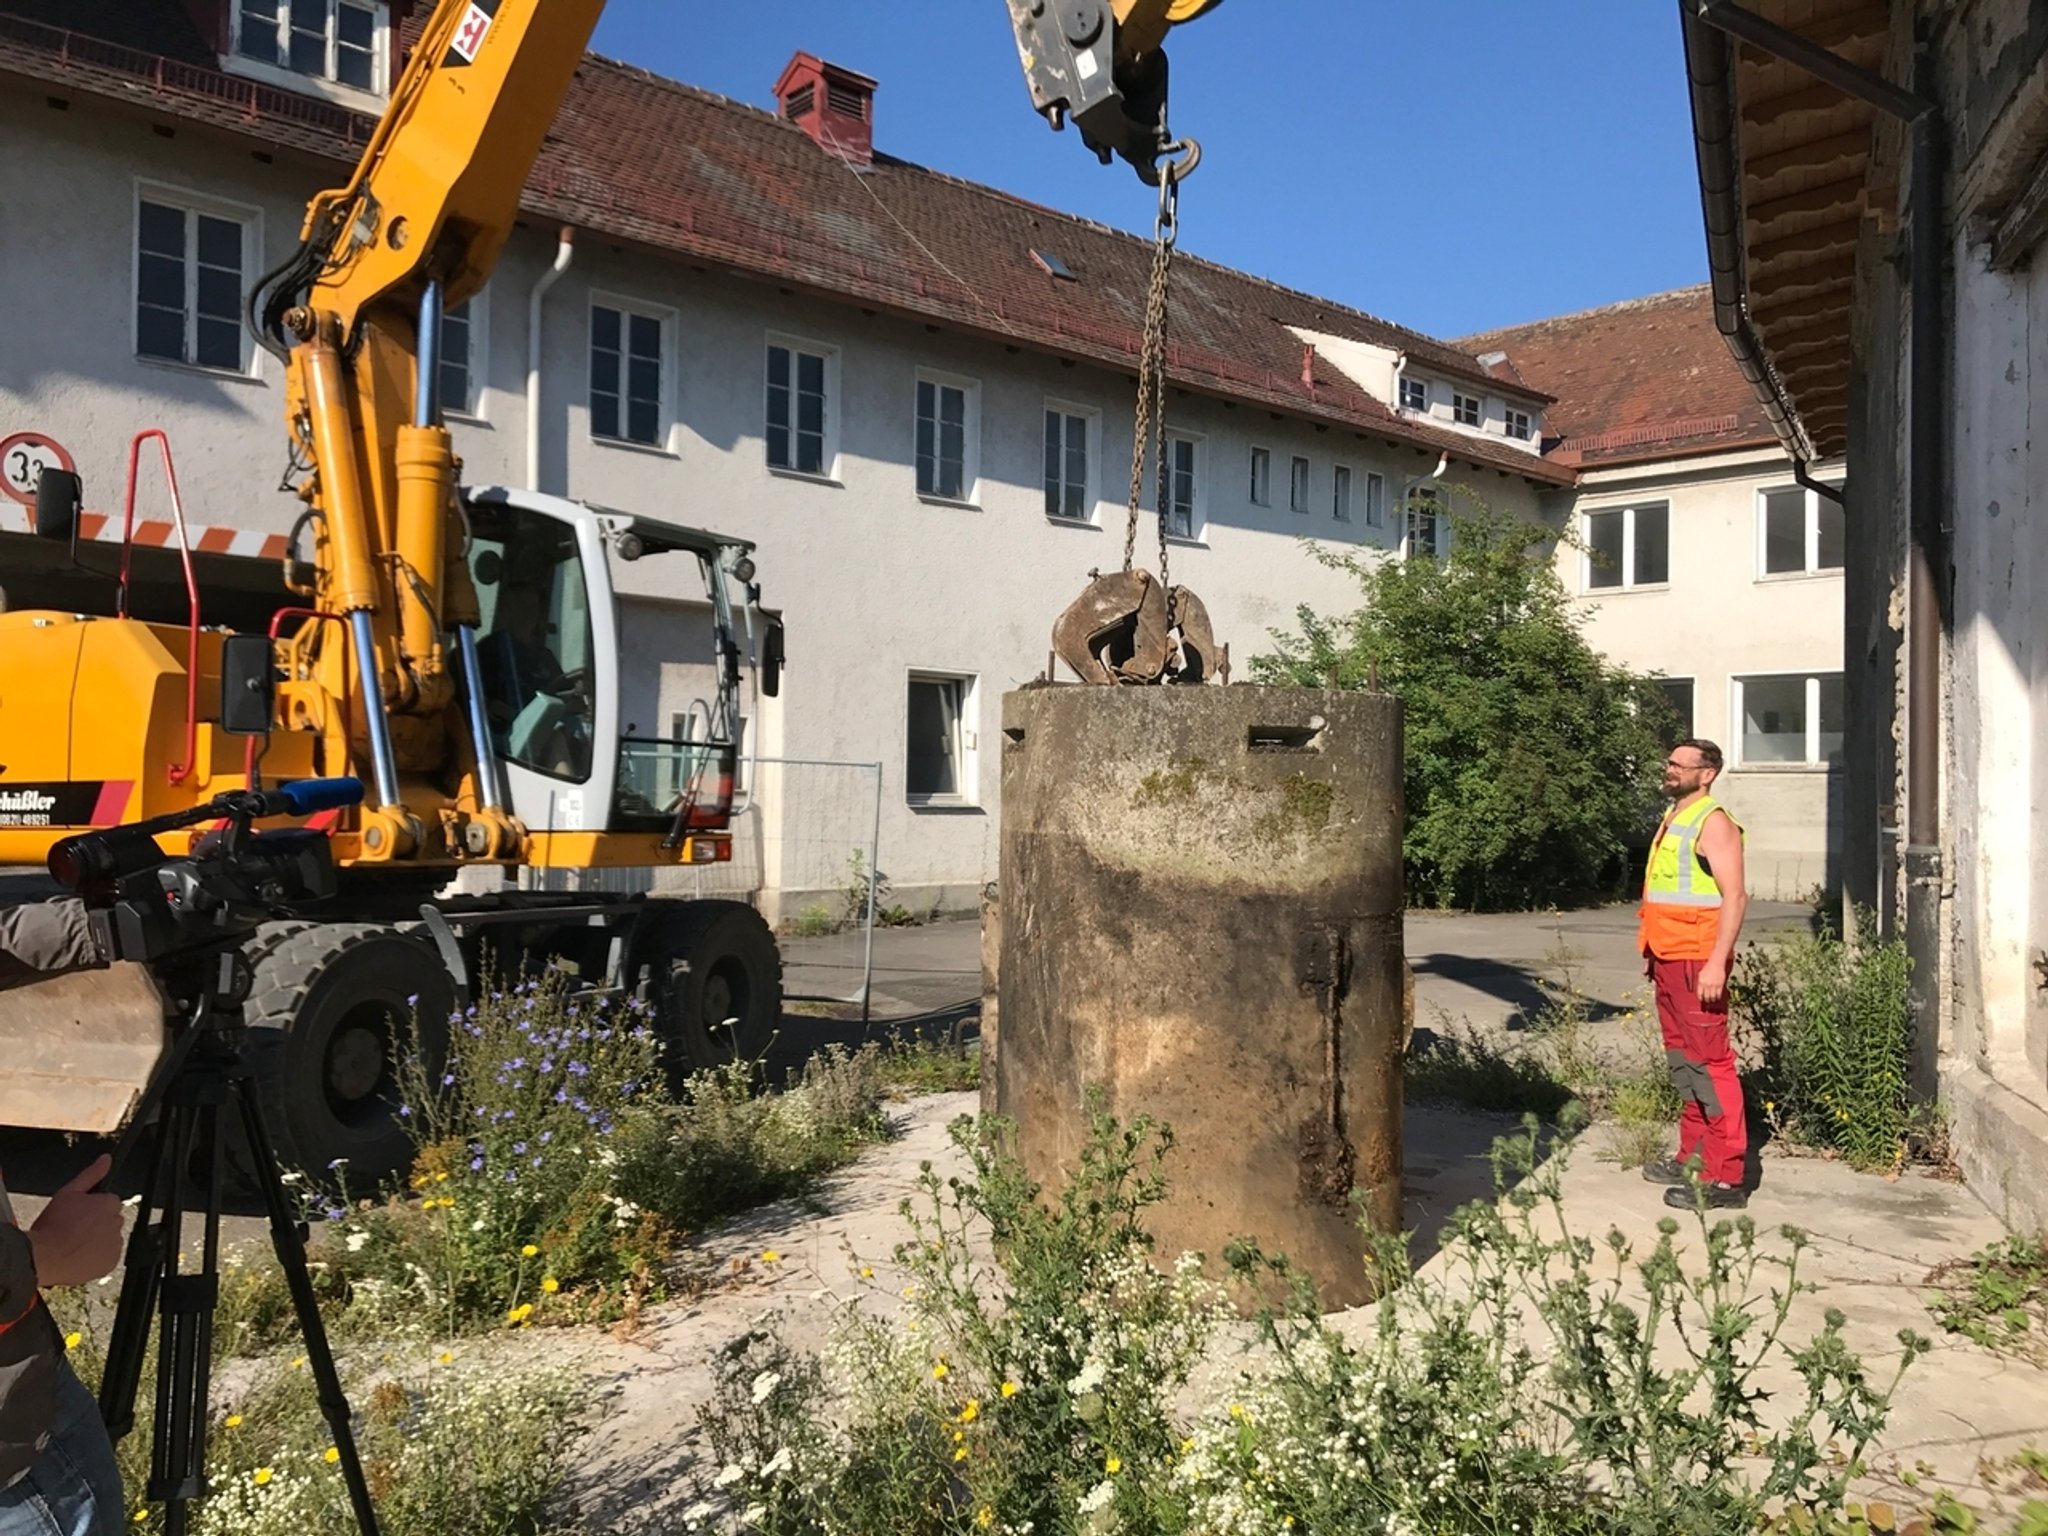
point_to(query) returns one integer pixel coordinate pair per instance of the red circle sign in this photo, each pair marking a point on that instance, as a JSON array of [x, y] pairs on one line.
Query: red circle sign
[[23, 458]]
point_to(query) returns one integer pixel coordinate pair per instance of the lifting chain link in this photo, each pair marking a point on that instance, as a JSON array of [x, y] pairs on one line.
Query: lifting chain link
[[1150, 427]]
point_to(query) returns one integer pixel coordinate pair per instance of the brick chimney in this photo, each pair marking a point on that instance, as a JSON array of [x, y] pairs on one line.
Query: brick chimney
[[835, 106]]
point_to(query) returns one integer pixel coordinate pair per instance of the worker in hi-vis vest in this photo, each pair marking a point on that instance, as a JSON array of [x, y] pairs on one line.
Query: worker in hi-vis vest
[[1691, 916]]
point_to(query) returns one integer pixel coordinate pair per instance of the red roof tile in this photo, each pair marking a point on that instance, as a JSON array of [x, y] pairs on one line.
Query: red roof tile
[[1648, 379], [648, 160]]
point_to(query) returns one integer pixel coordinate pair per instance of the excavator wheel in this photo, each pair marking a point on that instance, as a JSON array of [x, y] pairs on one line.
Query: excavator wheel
[[331, 1009], [727, 1005]]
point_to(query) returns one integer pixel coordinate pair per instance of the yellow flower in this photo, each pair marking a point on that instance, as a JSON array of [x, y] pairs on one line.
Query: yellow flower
[[139, 1516], [73, 1340], [529, 1251], [332, 1454], [234, 1421], [939, 1371], [299, 1364], [1186, 1446], [419, 1181], [445, 1358], [520, 1313], [971, 1412], [867, 1272], [1114, 1465], [959, 1435], [441, 1178], [262, 1476], [961, 1454], [771, 1257], [551, 1285], [985, 1517], [1237, 1410], [1009, 1389]]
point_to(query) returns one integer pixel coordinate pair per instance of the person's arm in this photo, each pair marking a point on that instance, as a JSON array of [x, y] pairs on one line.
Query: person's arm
[[47, 938], [1721, 847], [77, 1236]]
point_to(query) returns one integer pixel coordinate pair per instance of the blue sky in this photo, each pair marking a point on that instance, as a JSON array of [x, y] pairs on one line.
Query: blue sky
[[1449, 166]]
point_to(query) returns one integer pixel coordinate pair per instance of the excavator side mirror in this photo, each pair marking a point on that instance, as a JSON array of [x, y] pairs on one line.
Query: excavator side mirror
[[248, 686], [771, 662], [59, 495]]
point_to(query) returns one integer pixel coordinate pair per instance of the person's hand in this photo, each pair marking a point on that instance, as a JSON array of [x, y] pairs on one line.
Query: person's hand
[[1713, 987], [77, 1237]]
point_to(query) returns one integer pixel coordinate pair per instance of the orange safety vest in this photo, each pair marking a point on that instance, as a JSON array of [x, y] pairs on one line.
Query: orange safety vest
[[1680, 917]]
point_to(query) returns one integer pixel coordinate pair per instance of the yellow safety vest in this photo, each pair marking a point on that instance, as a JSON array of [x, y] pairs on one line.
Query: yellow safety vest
[[1680, 917]]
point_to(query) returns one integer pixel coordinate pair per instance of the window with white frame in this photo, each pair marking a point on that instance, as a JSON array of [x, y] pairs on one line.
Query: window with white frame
[[1414, 394], [462, 357], [1375, 499], [946, 433], [1340, 494], [800, 431], [341, 41], [1183, 486], [1627, 547], [192, 258], [1518, 425], [628, 364], [1466, 410], [1790, 718], [941, 741], [1424, 525], [1068, 488], [1798, 532], [1297, 485], [1262, 477]]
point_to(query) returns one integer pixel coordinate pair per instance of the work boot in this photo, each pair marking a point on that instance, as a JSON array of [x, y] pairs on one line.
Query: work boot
[[1668, 1170], [1717, 1197]]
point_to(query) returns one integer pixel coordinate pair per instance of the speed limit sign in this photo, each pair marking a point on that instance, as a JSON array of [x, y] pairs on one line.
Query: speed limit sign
[[24, 457]]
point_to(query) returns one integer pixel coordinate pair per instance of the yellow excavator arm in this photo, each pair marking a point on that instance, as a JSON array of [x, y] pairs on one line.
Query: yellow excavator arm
[[355, 315]]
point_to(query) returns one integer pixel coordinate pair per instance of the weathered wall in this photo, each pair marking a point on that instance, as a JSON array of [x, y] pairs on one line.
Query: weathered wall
[[1211, 934]]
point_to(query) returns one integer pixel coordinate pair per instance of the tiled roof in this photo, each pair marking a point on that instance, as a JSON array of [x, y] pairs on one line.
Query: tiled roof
[[1648, 379], [644, 159]]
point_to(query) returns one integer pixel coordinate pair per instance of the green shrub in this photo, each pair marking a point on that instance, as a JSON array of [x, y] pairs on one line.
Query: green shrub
[[1829, 1025]]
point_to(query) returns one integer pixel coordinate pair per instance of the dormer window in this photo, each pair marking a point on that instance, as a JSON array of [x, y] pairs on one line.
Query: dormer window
[[1466, 409], [1414, 395], [342, 42], [1518, 425]]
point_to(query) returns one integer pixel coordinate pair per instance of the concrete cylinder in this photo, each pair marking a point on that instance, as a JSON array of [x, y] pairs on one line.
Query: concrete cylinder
[[1202, 918]]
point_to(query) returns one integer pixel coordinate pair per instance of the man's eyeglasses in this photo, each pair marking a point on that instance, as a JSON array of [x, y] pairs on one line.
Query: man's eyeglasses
[[1672, 762]]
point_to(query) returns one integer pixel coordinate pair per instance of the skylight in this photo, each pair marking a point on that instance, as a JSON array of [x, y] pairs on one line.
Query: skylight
[[1053, 265]]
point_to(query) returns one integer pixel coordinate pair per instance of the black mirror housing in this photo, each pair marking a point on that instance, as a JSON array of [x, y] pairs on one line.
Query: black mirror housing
[[248, 686], [771, 662], [59, 495]]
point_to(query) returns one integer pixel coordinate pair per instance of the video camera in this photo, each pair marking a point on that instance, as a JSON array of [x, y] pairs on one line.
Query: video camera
[[145, 905]]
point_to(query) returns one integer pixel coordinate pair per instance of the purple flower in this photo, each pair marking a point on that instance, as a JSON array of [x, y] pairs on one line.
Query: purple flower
[[335, 1213], [519, 1149], [448, 1080], [511, 1177], [405, 1111], [561, 1095], [577, 1069], [546, 1137], [412, 1000], [536, 1162], [476, 1164]]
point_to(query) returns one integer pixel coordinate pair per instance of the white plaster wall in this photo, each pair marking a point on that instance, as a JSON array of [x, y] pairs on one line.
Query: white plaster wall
[[1999, 687], [1718, 619], [872, 581]]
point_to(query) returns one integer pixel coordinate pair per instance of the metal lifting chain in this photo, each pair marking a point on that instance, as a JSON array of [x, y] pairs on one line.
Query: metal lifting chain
[[1151, 416]]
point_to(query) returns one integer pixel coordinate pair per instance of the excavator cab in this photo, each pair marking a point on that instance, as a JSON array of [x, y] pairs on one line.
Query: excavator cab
[[549, 654]]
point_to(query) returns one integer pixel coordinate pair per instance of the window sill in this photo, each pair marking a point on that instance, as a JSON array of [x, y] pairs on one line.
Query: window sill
[[948, 501], [319, 87], [806, 477], [1783, 768], [468, 419], [949, 803], [1089, 523], [654, 450], [225, 375], [1647, 589], [1183, 541], [1774, 578]]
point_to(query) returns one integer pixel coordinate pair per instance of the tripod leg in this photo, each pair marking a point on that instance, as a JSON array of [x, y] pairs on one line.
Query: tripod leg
[[184, 1376], [291, 1255], [141, 1273]]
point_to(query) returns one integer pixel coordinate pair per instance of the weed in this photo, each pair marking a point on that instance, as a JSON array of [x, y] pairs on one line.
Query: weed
[[815, 921], [1468, 1068], [1998, 1297], [920, 1065]]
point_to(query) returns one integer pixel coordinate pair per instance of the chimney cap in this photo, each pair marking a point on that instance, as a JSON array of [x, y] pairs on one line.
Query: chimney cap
[[802, 64]]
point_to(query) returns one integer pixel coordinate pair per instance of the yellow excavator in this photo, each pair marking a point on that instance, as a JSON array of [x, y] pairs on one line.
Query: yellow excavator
[[456, 648]]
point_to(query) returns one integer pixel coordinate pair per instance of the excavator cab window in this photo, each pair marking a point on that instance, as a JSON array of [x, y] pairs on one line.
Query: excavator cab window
[[534, 645]]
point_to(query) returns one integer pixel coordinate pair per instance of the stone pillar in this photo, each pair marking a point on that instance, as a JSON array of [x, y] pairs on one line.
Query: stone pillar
[[1202, 918]]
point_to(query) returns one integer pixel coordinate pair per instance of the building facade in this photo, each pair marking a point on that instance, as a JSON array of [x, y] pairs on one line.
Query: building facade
[[914, 394], [1879, 242], [1697, 557]]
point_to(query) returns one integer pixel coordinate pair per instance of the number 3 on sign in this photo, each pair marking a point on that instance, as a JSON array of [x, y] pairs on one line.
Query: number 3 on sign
[[23, 458]]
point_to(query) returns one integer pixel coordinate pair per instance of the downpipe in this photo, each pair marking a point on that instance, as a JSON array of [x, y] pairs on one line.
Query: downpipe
[[564, 252]]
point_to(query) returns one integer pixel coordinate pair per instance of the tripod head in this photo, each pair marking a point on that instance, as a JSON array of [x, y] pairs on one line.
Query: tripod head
[[149, 907]]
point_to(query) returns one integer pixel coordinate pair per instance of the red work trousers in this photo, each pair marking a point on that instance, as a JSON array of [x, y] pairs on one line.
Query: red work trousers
[[1703, 1067]]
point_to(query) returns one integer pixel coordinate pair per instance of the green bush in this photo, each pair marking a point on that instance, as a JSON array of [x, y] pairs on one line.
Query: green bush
[[1530, 759], [1532, 1381], [1829, 1026]]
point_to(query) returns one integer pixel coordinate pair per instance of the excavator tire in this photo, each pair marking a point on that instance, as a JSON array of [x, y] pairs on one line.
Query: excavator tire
[[734, 974], [331, 1007]]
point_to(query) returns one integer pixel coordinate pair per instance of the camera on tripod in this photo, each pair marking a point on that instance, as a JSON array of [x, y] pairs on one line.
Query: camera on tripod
[[149, 907]]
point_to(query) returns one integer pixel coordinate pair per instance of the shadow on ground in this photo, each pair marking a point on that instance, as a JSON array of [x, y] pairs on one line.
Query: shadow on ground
[[1521, 989]]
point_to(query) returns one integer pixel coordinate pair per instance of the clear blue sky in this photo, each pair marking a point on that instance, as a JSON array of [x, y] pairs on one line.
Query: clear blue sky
[[1449, 166]]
